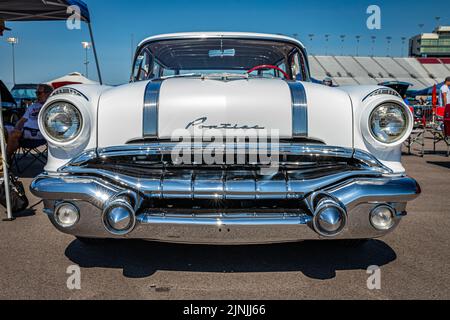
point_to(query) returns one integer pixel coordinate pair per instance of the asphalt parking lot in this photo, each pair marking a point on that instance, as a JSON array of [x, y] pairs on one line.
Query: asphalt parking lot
[[414, 260]]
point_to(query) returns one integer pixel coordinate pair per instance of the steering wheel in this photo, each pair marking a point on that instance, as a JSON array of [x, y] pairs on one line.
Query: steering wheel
[[269, 66]]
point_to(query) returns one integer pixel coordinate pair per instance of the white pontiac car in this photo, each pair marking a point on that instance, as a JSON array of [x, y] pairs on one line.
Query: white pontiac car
[[112, 172]]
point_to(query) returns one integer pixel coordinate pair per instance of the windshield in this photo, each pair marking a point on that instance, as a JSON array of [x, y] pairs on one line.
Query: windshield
[[216, 56], [24, 93]]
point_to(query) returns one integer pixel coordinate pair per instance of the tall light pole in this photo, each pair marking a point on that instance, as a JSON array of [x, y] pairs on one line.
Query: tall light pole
[[86, 47], [388, 46], [342, 43], [358, 38], [311, 36], [13, 42], [327, 38], [403, 45], [421, 25], [374, 38], [437, 21], [132, 50]]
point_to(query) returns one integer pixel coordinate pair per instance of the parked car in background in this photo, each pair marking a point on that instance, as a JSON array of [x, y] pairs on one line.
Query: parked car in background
[[24, 94], [9, 107], [399, 86], [117, 168]]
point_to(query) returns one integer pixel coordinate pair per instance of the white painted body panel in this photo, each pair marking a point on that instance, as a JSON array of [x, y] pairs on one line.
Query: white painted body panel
[[330, 115], [59, 156], [120, 114], [390, 155], [263, 102], [336, 116]]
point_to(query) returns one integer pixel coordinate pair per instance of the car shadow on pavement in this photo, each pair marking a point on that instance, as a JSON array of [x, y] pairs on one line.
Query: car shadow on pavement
[[25, 213], [317, 260], [440, 164], [32, 170]]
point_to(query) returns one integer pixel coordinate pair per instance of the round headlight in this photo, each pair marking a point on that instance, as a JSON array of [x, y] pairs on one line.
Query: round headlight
[[388, 123], [62, 121]]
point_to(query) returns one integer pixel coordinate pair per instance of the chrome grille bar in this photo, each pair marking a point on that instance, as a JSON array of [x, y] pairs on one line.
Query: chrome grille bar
[[225, 185]]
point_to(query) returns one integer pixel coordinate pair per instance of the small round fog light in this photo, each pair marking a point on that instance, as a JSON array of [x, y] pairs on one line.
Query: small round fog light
[[382, 217], [67, 215]]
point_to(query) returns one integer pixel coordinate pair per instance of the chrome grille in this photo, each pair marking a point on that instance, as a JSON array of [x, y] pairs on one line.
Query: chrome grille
[[304, 170]]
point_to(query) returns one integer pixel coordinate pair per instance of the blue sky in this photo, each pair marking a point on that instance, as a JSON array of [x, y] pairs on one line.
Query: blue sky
[[48, 49]]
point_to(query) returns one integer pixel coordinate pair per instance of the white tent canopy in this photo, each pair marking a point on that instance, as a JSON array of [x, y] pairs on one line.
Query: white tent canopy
[[73, 77]]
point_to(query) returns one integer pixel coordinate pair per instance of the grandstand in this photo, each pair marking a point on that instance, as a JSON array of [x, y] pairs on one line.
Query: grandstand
[[316, 69], [331, 66], [349, 70], [436, 69], [400, 72], [355, 70]]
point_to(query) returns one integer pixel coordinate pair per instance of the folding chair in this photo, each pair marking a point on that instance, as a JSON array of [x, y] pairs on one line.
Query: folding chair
[[36, 148], [420, 128], [441, 131]]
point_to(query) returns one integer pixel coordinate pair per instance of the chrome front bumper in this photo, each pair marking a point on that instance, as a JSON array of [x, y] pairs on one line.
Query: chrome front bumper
[[225, 206]]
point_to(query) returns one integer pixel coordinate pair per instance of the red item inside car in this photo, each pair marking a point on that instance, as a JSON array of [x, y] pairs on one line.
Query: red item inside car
[[57, 85]]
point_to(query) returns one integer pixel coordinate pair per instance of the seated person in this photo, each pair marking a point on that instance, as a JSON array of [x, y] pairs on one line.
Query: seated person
[[28, 121]]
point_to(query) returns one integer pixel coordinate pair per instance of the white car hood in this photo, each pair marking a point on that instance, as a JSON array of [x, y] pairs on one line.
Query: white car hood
[[262, 103], [242, 103]]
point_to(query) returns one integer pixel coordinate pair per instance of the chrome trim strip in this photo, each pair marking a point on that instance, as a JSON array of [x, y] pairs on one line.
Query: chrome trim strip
[[242, 219], [151, 104], [186, 184], [167, 147], [299, 110], [97, 187], [380, 91], [365, 190], [68, 91], [96, 192]]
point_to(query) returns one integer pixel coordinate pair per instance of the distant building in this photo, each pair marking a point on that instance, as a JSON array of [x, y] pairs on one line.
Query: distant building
[[436, 44]]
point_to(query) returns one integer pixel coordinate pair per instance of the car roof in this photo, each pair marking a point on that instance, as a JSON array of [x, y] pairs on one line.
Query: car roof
[[25, 86], [243, 35]]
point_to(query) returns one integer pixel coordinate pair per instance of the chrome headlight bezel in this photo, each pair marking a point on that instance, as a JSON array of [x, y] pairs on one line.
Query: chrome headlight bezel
[[404, 118], [366, 127], [44, 125]]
